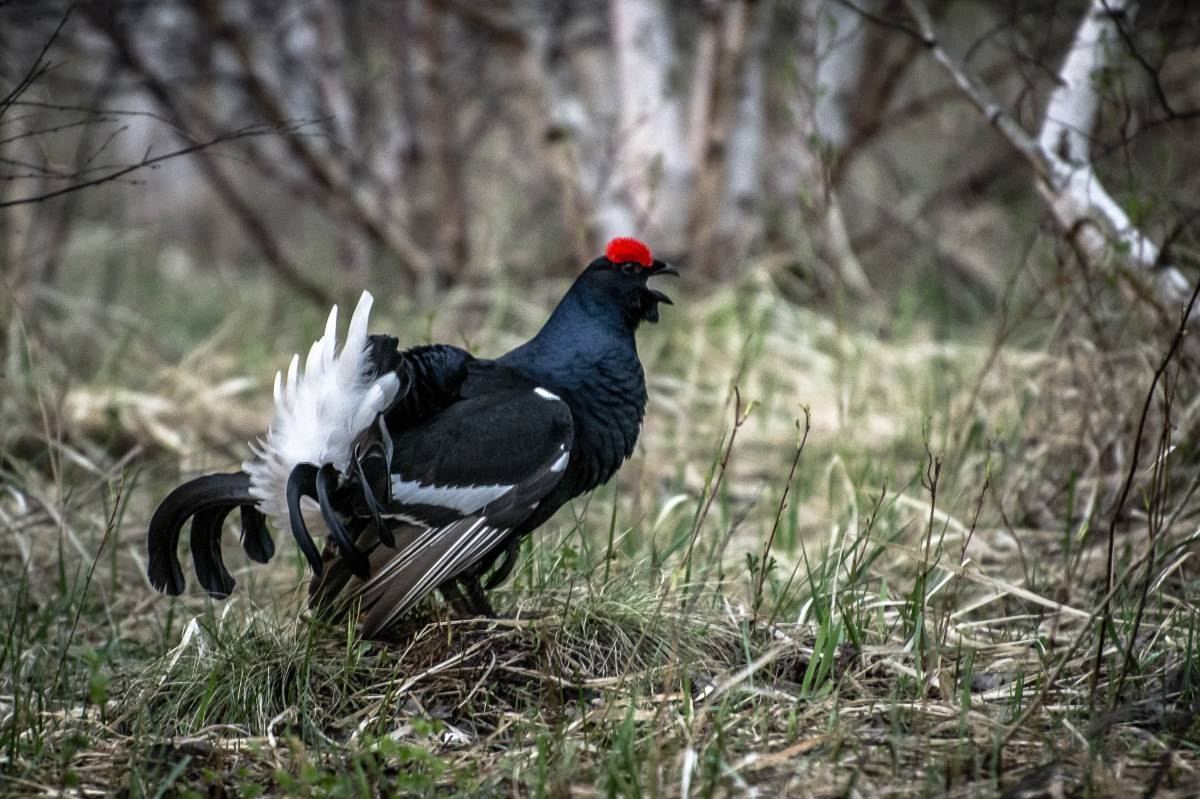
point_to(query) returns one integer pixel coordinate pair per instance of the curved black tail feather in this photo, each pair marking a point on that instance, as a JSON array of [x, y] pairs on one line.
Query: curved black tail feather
[[256, 539], [207, 500], [206, 551], [378, 460], [326, 483], [302, 482]]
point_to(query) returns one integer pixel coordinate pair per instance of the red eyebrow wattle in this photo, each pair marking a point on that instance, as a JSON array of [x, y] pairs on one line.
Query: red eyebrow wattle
[[625, 250]]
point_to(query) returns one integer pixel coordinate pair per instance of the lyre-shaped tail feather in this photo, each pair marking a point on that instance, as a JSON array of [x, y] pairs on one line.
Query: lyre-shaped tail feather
[[207, 501], [319, 414]]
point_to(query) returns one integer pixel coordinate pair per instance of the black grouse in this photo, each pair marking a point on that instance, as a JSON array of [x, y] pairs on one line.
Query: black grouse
[[428, 466]]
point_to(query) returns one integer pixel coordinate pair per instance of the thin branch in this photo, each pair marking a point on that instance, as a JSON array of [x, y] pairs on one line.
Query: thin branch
[[391, 237], [1091, 219], [38, 68], [273, 253], [1106, 617], [802, 439], [1152, 72], [146, 163], [103, 112]]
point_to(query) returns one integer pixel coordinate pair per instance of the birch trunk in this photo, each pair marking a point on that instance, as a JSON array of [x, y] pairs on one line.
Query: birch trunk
[[451, 250], [583, 107], [653, 170], [740, 216], [549, 138], [831, 62], [1082, 206], [719, 66], [1059, 156]]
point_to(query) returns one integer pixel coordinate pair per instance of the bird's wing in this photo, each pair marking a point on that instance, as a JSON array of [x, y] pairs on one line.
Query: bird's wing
[[460, 484]]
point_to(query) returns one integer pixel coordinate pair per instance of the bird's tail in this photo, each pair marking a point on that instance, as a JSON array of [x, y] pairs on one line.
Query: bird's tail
[[315, 462], [320, 412], [206, 501]]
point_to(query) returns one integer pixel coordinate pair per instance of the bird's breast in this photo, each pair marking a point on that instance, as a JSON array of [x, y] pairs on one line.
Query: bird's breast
[[607, 408]]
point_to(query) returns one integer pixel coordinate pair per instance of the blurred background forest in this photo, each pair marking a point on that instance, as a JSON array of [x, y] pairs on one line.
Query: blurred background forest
[[411, 146], [957, 236]]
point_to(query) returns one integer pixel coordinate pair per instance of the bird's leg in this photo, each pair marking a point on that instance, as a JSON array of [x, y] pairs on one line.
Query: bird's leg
[[476, 599], [454, 595], [510, 553]]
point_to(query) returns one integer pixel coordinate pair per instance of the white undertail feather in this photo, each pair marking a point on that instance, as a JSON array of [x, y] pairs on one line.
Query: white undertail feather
[[319, 412]]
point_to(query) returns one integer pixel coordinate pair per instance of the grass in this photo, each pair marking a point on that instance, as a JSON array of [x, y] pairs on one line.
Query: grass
[[840, 564]]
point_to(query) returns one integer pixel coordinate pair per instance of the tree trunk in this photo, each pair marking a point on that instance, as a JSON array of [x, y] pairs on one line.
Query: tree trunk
[[719, 66], [835, 62], [653, 171], [451, 244], [1060, 158], [740, 216]]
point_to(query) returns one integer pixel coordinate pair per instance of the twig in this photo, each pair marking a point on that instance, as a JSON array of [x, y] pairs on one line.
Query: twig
[[37, 69], [1086, 215], [390, 236], [1052, 678], [715, 487], [1152, 72], [273, 253], [787, 487], [1125, 489], [109, 528], [145, 163]]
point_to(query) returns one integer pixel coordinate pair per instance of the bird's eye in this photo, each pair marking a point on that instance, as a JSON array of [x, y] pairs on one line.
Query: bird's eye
[[629, 268]]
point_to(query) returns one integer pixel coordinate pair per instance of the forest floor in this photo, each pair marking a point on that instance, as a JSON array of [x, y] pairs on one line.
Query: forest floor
[[840, 564]]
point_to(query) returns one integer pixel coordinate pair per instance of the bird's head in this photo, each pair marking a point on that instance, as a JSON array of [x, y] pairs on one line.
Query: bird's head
[[620, 276]]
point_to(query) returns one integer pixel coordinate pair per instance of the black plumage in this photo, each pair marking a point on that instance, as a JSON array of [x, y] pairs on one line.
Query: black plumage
[[470, 456]]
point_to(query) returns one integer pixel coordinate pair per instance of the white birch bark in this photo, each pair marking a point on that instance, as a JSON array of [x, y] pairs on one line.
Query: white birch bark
[[740, 215], [1074, 192], [548, 130], [583, 106], [653, 168], [1059, 156], [839, 54], [834, 67]]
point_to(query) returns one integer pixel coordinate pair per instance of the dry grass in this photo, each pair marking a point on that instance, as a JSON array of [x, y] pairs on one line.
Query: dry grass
[[928, 584]]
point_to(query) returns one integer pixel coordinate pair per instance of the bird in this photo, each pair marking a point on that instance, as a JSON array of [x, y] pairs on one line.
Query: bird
[[427, 467]]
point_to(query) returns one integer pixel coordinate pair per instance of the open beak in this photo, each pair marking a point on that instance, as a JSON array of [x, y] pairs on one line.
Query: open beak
[[658, 268], [661, 268]]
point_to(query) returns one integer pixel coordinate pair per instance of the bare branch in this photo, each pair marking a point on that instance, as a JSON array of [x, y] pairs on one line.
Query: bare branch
[[1085, 212], [415, 258], [38, 68], [147, 162], [273, 254], [97, 112], [1152, 72]]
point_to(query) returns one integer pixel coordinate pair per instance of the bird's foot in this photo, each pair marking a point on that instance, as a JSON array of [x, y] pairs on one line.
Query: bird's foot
[[470, 603]]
